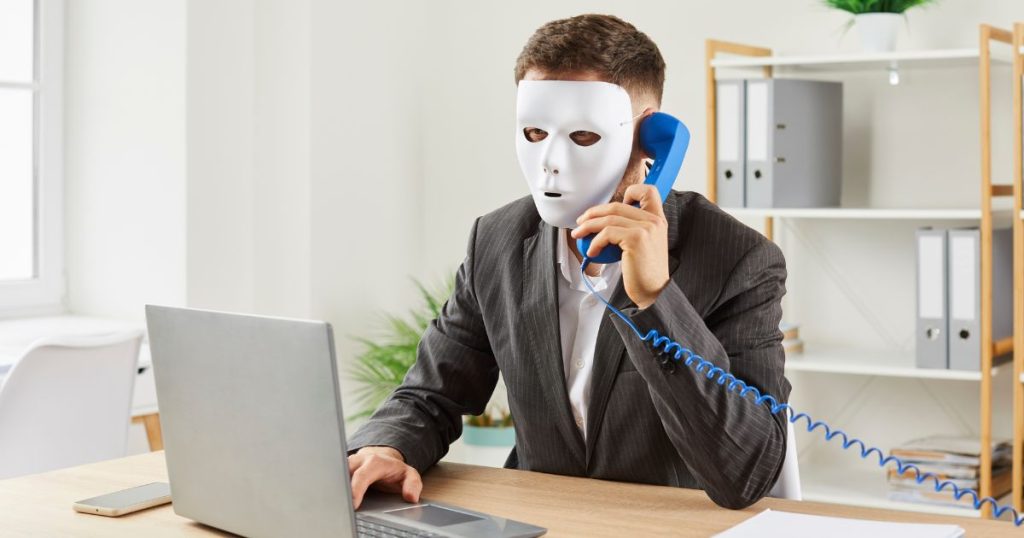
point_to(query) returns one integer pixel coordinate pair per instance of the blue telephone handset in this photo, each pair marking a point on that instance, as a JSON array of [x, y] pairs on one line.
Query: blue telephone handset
[[666, 139]]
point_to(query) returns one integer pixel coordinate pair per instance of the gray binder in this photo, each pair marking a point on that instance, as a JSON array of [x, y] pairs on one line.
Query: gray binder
[[965, 294], [932, 305], [730, 138], [794, 131]]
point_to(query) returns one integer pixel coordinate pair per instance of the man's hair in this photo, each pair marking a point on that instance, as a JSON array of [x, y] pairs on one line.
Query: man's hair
[[605, 44]]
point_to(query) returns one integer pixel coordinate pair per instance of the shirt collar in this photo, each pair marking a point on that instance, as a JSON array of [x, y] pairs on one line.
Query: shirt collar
[[570, 267]]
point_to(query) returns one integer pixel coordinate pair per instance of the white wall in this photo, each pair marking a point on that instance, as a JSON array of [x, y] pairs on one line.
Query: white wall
[[188, 156], [366, 173], [217, 160], [221, 122], [249, 157], [125, 148], [282, 219], [303, 155]]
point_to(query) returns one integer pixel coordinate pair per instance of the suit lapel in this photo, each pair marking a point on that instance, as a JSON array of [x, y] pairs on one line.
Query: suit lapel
[[608, 354], [542, 344], [610, 350]]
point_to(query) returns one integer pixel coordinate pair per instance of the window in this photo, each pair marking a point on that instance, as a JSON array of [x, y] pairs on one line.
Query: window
[[31, 179]]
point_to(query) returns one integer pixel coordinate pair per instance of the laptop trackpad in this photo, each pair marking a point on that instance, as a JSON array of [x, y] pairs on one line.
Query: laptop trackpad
[[429, 514], [444, 519]]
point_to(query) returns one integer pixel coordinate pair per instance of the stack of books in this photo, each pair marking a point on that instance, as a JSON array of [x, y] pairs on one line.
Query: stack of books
[[953, 459]]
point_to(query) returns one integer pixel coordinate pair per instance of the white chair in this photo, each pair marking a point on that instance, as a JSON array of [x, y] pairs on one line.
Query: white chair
[[67, 401], [788, 485]]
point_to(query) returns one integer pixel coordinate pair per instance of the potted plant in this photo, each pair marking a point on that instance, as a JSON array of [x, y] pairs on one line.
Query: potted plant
[[385, 360], [877, 21], [493, 428], [380, 368]]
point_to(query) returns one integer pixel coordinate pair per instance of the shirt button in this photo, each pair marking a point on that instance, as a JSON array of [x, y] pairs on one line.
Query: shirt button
[[579, 421], [579, 363]]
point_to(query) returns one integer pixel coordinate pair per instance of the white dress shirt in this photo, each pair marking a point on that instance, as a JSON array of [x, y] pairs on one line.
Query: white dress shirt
[[579, 318]]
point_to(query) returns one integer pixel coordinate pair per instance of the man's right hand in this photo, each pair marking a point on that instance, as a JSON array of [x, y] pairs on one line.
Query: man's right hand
[[384, 468]]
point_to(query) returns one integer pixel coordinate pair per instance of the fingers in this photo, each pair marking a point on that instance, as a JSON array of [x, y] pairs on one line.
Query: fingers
[[595, 225], [648, 197], [354, 462], [361, 480], [612, 235], [388, 472], [412, 486], [615, 208]]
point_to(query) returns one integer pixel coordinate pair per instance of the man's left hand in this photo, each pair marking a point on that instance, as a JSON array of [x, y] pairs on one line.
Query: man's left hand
[[641, 233]]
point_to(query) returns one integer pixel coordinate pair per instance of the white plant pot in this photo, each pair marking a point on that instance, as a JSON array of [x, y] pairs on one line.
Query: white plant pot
[[878, 31]]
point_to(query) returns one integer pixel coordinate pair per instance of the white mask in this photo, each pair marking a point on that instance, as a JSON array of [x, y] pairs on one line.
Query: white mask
[[565, 177]]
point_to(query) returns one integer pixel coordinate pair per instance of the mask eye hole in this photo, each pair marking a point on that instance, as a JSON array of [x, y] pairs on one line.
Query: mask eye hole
[[584, 138], [534, 134]]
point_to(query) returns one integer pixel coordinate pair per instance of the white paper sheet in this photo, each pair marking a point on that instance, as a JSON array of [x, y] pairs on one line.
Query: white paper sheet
[[790, 525]]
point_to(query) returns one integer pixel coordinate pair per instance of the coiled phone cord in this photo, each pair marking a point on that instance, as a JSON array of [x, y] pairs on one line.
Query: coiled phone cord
[[676, 351]]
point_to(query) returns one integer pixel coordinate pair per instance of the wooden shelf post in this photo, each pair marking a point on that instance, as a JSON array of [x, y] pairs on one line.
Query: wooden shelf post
[[1018, 270], [987, 35]]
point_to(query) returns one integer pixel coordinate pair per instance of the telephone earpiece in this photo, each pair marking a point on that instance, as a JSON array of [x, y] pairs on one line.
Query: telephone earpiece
[[666, 139]]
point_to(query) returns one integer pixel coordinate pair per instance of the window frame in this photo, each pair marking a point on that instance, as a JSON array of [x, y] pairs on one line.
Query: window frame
[[45, 293]]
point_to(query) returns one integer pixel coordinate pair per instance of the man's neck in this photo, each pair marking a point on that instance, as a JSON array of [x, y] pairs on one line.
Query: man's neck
[[592, 269]]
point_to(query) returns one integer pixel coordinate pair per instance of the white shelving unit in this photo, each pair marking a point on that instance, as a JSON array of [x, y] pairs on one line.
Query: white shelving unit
[[843, 482], [862, 213], [839, 485], [858, 61], [827, 359]]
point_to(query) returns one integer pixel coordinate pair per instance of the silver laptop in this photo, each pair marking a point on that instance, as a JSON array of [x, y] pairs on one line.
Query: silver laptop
[[255, 439]]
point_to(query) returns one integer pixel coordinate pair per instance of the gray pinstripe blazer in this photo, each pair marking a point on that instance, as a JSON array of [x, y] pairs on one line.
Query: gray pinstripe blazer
[[644, 423]]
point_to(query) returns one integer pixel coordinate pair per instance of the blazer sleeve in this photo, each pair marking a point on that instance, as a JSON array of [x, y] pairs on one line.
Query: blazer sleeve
[[454, 374], [733, 447]]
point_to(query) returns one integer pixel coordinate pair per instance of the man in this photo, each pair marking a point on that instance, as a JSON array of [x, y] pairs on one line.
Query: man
[[588, 396]]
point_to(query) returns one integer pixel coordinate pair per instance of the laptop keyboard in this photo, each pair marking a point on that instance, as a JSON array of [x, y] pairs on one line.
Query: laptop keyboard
[[373, 527]]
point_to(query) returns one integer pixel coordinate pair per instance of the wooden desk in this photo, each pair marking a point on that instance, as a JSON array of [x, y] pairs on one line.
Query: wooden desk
[[41, 504]]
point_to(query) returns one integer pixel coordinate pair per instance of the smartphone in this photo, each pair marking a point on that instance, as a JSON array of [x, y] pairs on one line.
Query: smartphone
[[126, 501]]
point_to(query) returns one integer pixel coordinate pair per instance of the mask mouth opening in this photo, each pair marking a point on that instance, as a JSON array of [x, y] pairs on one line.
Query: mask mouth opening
[[553, 194]]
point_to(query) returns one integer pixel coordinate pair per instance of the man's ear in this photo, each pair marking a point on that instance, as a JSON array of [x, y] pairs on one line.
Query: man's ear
[[643, 116]]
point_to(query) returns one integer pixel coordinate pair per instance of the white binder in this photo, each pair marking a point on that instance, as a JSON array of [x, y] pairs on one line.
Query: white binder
[[932, 305], [965, 294], [730, 104]]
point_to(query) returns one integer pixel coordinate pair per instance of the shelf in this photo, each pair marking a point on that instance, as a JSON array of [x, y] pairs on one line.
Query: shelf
[[828, 359], [858, 60], [862, 213], [857, 487]]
